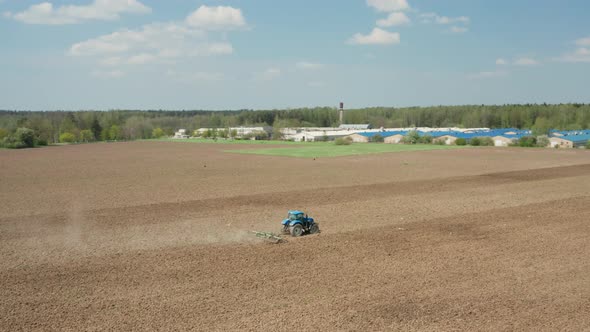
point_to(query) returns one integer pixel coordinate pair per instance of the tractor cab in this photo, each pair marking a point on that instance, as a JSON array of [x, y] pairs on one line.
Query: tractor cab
[[298, 223], [295, 215]]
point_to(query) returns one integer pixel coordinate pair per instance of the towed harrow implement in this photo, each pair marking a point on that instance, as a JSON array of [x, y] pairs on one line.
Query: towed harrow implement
[[271, 237]]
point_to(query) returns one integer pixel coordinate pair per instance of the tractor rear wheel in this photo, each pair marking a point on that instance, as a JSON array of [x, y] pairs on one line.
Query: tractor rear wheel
[[296, 230], [314, 229]]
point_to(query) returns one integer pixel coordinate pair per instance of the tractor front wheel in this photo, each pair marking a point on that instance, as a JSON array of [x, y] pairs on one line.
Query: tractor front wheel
[[314, 229], [296, 230]]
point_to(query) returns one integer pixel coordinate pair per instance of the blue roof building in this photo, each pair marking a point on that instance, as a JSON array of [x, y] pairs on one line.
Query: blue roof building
[[570, 141]]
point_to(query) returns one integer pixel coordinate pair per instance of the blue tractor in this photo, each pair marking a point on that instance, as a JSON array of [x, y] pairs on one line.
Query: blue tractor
[[298, 223]]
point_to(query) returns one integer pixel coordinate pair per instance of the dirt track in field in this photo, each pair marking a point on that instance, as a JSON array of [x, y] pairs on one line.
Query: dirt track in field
[[152, 235]]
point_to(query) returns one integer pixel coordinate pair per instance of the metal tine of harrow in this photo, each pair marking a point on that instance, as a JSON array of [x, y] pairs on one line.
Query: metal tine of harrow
[[268, 236]]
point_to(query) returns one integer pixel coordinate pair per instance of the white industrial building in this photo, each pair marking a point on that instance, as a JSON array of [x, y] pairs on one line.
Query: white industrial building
[[240, 131], [363, 133], [180, 134]]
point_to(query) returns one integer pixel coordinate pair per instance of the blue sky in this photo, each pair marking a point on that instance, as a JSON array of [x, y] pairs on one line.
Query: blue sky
[[262, 54]]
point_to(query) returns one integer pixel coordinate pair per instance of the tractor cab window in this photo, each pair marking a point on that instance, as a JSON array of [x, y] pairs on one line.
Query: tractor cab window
[[299, 216], [292, 217]]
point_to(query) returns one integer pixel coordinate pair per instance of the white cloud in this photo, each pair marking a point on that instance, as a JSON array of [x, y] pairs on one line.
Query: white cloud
[[112, 43], [376, 37], [221, 48], [456, 29], [488, 74], [153, 43], [270, 74], [142, 59], [46, 13], [192, 77], [525, 62], [522, 61], [112, 61], [216, 18], [134, 60], [579, 55], [107, 74], [316, 84], [434, 17], [451, 20], [206, 76], [459, 23], [427, 17], [388, 5], [582, 54], [394, 19], [308, 65]]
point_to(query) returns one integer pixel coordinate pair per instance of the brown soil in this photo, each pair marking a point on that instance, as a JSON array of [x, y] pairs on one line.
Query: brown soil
[[145, 235]]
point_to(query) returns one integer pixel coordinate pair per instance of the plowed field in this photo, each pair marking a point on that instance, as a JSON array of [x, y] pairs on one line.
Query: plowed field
[[155, 236]]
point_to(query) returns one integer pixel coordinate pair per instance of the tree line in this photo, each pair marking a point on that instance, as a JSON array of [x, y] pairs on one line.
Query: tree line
[[50, 127]]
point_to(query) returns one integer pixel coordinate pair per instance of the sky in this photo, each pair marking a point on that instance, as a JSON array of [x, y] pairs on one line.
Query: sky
[[265, 54]]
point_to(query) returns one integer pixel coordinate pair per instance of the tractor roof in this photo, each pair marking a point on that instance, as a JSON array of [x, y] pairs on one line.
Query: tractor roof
[[296, 212]]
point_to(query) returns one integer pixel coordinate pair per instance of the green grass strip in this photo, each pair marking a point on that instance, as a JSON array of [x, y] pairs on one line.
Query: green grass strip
[[317, 150], [230, 141]]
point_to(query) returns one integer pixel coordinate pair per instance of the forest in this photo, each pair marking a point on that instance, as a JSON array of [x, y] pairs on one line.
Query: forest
[[48, 127]]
